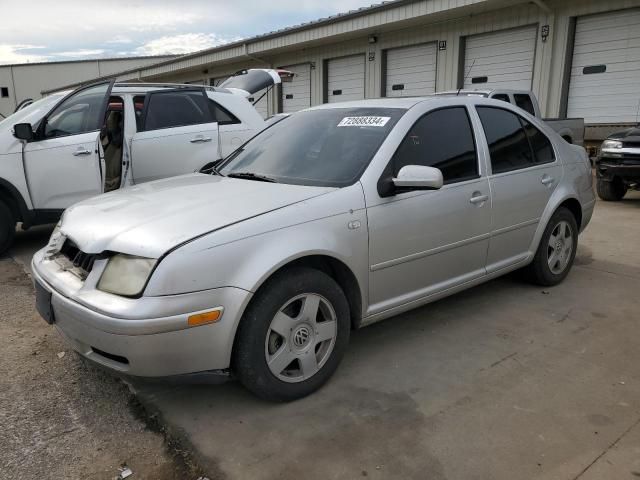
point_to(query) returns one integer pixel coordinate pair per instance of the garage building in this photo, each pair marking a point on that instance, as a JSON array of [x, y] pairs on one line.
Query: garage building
[[581, 58]]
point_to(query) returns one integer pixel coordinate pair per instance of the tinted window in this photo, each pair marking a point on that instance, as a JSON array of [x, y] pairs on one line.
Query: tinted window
[[540, 144], [442, 139], [327, 147], [222, 115], [508, 144], [79, 113], [138, 108], [175, 109], [501, 96], [525, 103]]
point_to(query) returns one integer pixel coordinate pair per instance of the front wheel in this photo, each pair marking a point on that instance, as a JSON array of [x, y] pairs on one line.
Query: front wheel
[[7, 228], [292, 336], [556, 251], [611, 190]]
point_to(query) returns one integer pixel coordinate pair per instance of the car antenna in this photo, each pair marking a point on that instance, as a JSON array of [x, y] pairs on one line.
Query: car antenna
[[466, 77]]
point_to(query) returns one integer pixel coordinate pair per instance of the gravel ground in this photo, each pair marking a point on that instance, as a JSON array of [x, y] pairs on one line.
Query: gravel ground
[[61, 417]]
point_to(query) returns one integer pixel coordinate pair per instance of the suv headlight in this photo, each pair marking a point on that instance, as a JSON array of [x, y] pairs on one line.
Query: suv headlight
[[611, 144], [126, 275]]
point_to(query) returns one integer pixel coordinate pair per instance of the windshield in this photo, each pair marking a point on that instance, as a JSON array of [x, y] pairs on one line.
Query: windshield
[[327, 147], [34, 112]]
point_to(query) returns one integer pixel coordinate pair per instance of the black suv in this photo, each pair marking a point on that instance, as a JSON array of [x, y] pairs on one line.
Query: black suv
[[618, 164]]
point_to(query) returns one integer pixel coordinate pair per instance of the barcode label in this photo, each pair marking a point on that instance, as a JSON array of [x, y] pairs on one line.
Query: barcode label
[[368, 121]]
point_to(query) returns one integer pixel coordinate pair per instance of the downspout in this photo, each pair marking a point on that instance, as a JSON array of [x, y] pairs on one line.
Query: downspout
[[13, 85]]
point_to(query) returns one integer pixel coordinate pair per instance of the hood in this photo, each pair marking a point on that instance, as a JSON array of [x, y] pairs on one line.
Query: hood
[[629, 135], [150, 219], [248, 82]]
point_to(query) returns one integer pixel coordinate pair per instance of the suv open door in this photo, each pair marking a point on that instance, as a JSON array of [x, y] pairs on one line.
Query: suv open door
[[61, 159]]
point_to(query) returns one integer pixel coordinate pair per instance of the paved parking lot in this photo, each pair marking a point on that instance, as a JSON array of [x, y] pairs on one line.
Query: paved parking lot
[[503, 381]]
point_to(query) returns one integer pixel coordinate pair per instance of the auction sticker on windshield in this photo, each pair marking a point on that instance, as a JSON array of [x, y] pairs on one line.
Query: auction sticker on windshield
[[365, 121]]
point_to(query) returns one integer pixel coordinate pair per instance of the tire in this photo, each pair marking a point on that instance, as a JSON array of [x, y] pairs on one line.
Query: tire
[[544, 270], [259, 344], [7, 228], [611, 190]]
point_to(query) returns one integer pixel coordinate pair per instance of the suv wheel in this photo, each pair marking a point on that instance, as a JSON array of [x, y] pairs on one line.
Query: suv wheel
[[292, 336], [611, 190], [556, 251], [7, 228]]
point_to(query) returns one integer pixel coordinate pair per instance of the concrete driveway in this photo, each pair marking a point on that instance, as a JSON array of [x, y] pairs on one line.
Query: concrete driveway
[[503, 381]]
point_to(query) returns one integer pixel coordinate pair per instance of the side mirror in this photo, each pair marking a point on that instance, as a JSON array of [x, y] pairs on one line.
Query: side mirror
[[23, 131], [418, 177]]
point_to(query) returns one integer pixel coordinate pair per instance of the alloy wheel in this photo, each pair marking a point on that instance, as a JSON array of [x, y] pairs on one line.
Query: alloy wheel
[[301, 337], [560, 247]]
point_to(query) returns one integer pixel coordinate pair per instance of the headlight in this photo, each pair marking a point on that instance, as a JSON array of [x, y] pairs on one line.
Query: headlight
[[126, 275], [611, 144]]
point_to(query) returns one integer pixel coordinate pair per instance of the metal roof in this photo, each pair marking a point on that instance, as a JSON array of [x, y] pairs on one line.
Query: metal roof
[[168, 57]]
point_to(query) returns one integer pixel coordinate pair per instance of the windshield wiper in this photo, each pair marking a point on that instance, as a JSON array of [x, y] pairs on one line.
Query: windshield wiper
[[251, 176]]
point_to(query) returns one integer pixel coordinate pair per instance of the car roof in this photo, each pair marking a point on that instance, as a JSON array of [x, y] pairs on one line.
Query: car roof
[[140, 87], [398, 102]]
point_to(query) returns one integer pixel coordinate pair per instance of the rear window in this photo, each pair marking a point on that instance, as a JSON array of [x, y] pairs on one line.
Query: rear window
[[524, 102]]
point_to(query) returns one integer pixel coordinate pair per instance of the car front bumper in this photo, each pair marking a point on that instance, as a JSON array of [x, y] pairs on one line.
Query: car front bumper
[[158, 346]]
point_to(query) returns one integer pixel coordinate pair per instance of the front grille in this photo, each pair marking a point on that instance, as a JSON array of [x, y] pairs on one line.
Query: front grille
[[77, 261], [631, 144]]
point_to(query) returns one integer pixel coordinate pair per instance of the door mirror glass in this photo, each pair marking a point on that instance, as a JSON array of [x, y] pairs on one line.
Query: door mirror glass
[[23, 131], [418, 177]]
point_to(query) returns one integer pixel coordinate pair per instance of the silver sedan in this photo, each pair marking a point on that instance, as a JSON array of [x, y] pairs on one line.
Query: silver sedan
[[331, 219]]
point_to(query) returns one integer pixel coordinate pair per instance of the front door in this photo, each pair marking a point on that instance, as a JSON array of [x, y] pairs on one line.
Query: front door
[[524, 175], [61, 163], [421, 243], [177, 135]]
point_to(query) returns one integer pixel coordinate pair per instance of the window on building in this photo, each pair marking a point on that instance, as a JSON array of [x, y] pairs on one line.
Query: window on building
[[524, 102], [4, 92], [442, 139], [508, 143]]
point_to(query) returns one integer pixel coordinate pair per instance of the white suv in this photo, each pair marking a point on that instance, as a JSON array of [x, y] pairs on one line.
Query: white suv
[[102, 137]]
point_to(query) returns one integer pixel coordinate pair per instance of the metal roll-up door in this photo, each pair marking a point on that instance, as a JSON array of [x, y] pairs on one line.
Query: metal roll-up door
[[345, 79], [296, 94], [502, 59], [411, 71], [604, 86]]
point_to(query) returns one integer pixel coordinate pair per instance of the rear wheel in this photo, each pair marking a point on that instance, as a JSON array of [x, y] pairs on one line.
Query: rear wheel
[[557, 250], [611, 190], [292, 336], [7, 228]]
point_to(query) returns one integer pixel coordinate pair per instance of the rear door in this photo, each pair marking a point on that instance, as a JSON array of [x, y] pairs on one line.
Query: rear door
[[524, 174], [61, 163], [177, 135]]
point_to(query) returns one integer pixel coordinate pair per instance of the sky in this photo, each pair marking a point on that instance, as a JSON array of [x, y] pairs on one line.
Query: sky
[[40, 31]]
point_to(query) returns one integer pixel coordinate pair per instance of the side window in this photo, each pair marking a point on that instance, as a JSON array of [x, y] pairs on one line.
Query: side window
[[78, 114], [442, 139], [222, 115], [540, 144], [501, 96], [508, 143], [524, 102], [176, 109]]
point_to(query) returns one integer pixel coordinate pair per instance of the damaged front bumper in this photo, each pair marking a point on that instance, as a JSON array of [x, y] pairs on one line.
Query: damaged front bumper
[[147, 336]]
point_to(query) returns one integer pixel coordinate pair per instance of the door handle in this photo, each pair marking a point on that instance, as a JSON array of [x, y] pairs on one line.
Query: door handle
[[81, 151], [547, 180], [478, 198], [200, 139]]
